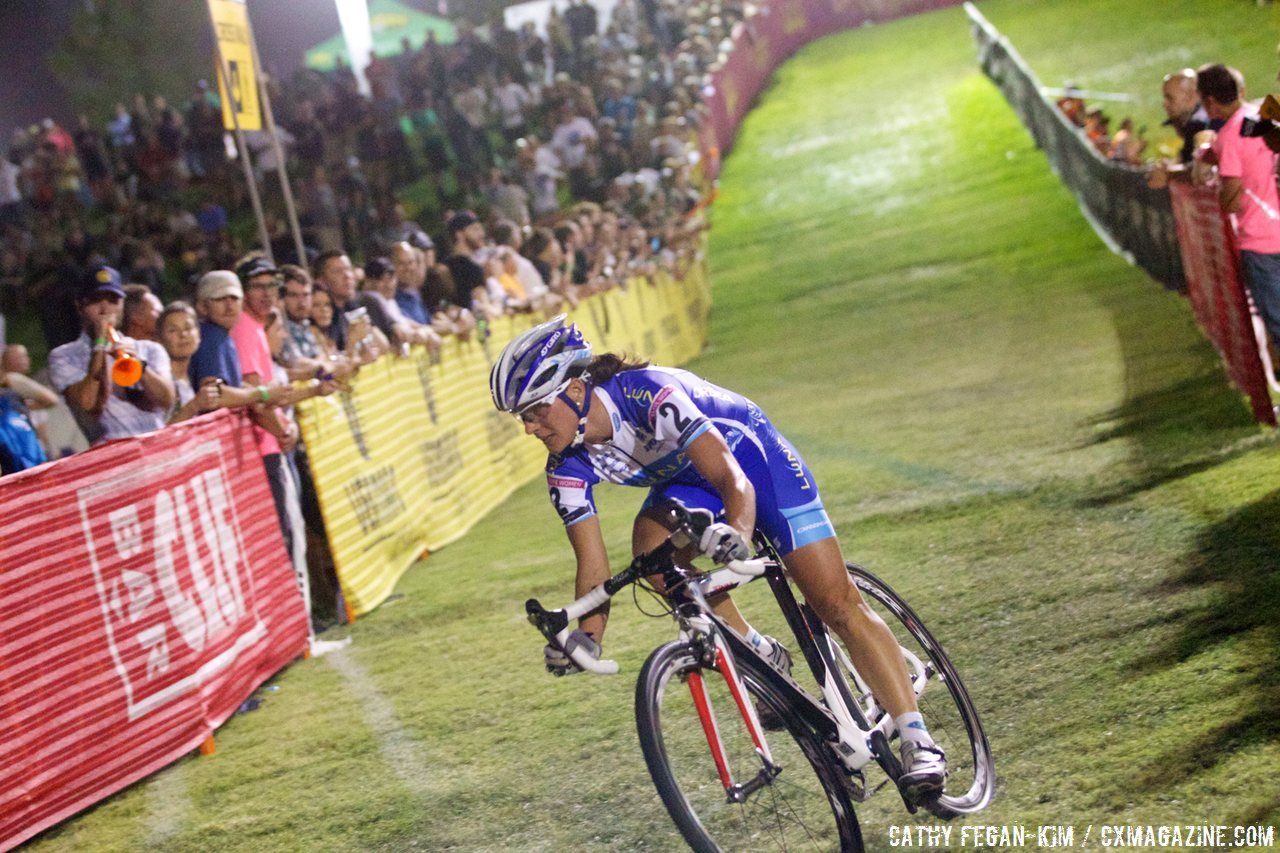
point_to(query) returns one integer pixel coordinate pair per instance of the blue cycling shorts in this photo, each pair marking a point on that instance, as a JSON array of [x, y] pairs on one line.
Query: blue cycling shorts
[[789, 510]]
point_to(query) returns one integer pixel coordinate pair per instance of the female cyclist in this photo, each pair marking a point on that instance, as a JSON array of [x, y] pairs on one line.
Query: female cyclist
[[704, 447]]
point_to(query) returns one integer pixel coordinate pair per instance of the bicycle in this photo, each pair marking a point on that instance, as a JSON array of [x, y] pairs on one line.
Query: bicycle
[[725, 782]]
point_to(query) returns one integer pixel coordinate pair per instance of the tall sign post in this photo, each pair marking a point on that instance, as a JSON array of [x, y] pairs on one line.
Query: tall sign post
[[238, 88], [290, 208]]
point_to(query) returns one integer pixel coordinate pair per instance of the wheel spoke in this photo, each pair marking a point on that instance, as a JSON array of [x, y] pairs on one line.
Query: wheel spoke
[[804, 806], [944, 702]]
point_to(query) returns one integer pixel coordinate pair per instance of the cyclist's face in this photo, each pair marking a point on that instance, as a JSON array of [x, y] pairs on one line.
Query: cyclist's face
[[554, 424]]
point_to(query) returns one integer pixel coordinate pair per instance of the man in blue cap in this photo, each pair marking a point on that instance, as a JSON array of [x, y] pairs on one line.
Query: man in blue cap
[[81, 370]]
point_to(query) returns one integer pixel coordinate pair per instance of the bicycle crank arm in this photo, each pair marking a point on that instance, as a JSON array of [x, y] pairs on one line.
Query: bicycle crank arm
[[889, 763]]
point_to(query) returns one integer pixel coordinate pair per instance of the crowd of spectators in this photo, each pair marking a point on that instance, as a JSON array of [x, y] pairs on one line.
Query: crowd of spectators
[[1231, 144], [509, 123], [1123, 145], [560, 166]]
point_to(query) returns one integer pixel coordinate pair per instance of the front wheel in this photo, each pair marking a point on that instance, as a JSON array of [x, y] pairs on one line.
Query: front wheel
[[944, 702], [802, 803]]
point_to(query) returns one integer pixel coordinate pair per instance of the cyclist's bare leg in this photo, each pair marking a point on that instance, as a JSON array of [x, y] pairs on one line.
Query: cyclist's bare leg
[[818, 569], [648, 533]]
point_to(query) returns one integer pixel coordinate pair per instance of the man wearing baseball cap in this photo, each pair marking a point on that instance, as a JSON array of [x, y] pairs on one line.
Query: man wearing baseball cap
[[81, 370], [219, 304], [219, 298], [261, 286]]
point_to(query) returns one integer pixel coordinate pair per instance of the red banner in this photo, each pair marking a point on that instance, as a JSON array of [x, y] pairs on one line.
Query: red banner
[[144, 594], [1211, 263]]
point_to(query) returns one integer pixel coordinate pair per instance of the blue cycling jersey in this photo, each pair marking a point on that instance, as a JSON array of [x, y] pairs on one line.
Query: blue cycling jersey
[[656, 413]]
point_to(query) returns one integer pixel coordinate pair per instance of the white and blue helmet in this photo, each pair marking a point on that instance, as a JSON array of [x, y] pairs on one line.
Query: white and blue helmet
[[537, 365]]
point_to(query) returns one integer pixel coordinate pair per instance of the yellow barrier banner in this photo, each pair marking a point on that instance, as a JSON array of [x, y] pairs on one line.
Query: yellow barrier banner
[[415, 454], [240, 93]]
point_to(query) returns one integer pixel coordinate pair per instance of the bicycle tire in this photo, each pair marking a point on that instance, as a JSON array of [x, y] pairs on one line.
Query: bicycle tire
[[950, 713], [796, 810]]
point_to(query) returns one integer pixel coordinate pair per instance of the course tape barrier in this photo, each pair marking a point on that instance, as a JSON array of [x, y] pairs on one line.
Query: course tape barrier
[[1178, 236], [415, 453], [764, 41], [146, 593], [1217, 294], [1134, 220]]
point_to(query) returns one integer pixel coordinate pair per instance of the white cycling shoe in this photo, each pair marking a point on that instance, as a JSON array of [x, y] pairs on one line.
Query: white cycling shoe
[[924, 771]]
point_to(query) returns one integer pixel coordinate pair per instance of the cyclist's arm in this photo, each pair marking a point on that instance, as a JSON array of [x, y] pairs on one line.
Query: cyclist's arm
[[715, 462], [593, 570]]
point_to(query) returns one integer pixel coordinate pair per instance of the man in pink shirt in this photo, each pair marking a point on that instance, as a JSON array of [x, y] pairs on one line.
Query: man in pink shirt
[[276, 435], [1247, 170]]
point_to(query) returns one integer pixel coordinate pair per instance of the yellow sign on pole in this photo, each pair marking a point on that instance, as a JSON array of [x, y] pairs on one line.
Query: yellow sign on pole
[[235, 49]]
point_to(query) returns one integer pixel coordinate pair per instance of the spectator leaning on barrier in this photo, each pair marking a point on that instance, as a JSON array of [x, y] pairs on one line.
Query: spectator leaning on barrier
[[439, 293], [315, 550], [543, 250], [303, 354], [1187, 116], [81, 369], [1247, 171], [258, 279], [179, 331], [15, 370], [1185, 113], [509, 235], [335, 275], [219, 299], [218, 304], [21, 445], [322, 319], [379, 278], [410, 267], [350, 329], [468, 236], [379, 298]]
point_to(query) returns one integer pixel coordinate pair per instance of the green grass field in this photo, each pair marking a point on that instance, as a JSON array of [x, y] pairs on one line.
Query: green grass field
[[1027, 437]]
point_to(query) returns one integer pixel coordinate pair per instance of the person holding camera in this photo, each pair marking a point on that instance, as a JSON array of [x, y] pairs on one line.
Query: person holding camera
[[379, 299], [1247, 189], [351, 329]]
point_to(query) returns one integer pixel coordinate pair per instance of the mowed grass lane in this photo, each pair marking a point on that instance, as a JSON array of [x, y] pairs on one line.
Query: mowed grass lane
[[1027, 437]]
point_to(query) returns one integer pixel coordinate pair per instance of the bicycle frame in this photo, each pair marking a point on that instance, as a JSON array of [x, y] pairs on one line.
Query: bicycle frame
[[838, 718], [841, 718]]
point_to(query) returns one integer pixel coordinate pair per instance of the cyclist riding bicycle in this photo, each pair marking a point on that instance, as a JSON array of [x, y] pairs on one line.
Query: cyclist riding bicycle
[[704, 447]]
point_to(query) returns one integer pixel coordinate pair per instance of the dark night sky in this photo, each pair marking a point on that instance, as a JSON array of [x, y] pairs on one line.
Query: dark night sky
[[28, 92], [29, 29]]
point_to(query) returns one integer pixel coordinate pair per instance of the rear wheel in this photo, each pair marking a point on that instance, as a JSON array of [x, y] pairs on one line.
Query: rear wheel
[[805, 806], [944, 702]]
